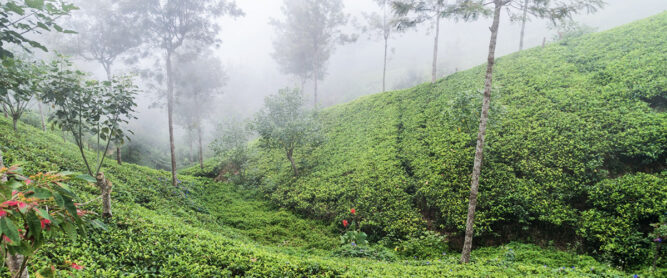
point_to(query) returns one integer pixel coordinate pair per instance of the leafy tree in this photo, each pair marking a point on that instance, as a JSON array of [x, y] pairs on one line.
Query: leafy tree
[[284, 123], [198, 81], [91, 108], [307, 37], [19, 18], [231, 145], [168, 25], [382, 25], [20, 81], [413, 13], [542, 8], [104, 35]]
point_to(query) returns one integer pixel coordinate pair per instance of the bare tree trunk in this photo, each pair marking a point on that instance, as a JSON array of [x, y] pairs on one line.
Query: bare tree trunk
[[201, 150], [523, 24], [291, 160], [118, 156], [170, 109], [315, 89], [384, 68], [15, 263], [105, 188], [14, 121], [479, 150], [435, 47], [41, 115], [190, 139]]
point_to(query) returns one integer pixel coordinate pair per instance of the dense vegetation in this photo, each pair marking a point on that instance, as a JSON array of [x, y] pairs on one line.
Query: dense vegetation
[[207, 229], [576, 153]]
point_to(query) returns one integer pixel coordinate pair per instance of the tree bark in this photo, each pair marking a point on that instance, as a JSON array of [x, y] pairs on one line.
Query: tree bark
[[41, 115], [170, 109], [291, 160], [315, 72], [14, 263], [435, 46], [201, 149], [119, 159], [384, 67], [479, 150], [14, 122], [105, 188], [3, 178], [523, 24]]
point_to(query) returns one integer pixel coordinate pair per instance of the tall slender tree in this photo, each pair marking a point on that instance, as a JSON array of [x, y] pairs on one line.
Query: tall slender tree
[[542, 8], [382, 25], [413, 13], [199, 80], [307, 37], [168, 24]]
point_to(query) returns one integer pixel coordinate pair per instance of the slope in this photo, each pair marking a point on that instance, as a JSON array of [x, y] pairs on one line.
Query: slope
[[576, 151]]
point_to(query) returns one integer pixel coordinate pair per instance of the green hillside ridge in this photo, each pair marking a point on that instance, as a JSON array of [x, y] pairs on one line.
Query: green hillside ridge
[[217, 230], [576, 152]]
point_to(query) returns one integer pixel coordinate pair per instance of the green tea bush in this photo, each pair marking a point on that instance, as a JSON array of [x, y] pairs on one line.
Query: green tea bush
[[428, 245]]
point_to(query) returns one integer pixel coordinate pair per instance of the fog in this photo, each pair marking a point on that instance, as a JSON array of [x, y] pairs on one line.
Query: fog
[[354, 69]]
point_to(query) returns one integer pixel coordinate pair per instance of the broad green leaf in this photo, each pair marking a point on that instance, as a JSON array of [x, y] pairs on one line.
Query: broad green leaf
[[10, 230]]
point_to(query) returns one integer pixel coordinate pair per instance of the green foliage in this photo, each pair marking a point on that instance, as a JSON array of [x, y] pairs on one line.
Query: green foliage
[[91, 107], [20, 82], [428, 245], [285, 124], [231, 148], [21, 17], [207, 229], [570, 120], [43, 205]]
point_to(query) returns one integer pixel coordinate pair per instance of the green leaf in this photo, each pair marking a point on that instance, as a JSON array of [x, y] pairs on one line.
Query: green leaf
[[42, 193], [70, 230], [10, 230], [85, 177], [35, 4], [97, 224]]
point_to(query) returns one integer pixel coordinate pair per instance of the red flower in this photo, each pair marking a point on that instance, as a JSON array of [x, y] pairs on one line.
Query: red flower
[[14, 192], [22, 205], [76, 266], [10, 203], [3, 213], [28, 182], [353, 211], [344, 223], [6, 238], [45, 222]]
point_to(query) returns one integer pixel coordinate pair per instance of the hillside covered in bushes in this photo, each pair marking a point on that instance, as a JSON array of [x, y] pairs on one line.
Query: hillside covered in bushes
[[575, 157]]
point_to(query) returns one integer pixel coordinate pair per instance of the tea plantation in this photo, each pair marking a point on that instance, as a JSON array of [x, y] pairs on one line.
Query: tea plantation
[[574, 174]]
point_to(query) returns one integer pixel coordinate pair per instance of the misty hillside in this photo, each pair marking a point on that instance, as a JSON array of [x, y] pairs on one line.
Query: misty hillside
[[576, 150], [132, 146]]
